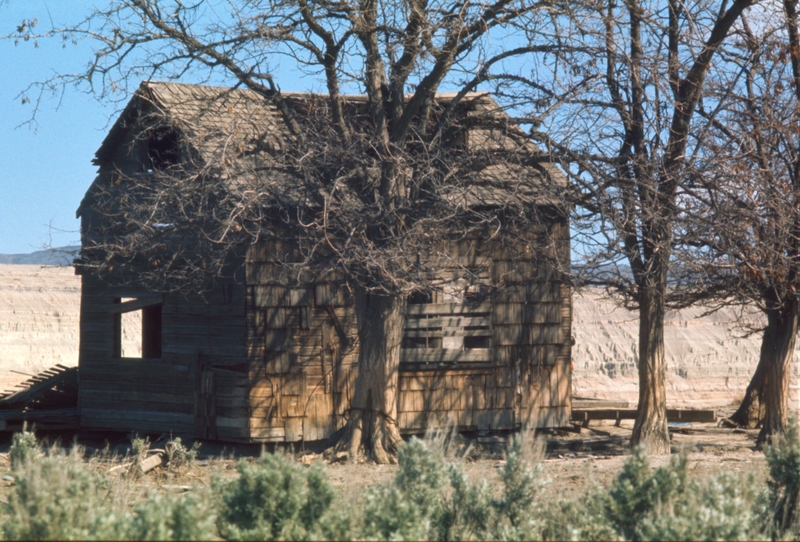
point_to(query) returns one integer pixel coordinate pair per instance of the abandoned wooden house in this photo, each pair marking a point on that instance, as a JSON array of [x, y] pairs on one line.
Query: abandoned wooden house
[[256, 361]]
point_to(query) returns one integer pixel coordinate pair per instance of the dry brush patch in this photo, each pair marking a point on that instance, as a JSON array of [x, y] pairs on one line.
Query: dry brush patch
[[716, 486]]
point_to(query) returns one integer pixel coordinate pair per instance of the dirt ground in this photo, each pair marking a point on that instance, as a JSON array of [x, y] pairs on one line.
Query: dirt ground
[[574, 464]]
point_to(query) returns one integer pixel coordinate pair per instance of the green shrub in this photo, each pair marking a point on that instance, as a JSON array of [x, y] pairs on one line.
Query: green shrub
[[273, 498], [783, 485], [410, 507], [160, 517], [518, 514], [23, 447], [666, 504], [430, 498], [55, 497], [467, 514]]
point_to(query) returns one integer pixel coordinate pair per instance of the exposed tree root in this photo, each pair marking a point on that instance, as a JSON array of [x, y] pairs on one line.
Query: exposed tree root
[[372, 436]]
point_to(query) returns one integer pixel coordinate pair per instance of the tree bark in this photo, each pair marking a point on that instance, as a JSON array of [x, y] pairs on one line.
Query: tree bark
[[751, 410], [777, 347], [371, 430], [650, 428]]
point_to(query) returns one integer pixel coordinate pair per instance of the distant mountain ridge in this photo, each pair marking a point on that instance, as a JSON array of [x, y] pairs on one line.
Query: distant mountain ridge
[[51, 256]]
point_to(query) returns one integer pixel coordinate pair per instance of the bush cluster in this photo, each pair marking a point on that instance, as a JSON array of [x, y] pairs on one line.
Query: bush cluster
[[59, 495]]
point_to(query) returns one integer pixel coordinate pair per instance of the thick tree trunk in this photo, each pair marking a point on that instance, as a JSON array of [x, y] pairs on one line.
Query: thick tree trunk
[[371, 430], [778, 347], [751, 410], [650, 429]]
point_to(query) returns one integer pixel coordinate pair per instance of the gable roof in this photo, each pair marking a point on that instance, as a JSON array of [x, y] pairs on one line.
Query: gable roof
[[223, 124]]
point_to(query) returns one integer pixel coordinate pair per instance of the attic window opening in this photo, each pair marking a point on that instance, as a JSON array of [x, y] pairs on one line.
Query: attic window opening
[[137, 327], [162, 150]]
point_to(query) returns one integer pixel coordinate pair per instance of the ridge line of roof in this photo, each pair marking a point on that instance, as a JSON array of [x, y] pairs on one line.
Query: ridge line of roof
[[222, 89]]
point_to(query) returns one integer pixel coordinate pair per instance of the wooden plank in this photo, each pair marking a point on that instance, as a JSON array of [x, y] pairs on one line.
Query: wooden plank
[[418, 323], [136, 304], [190, 348], [493, 420], [237, 422], [278, 296], [275, 363], [673, 415], [526, 313], [443, 355], [448, 332], [267, 434], [555, 376], [564, 385], [293, 429], [139, 416], [585, 403], [533, 334], [148, 387], [267, 410], [411, 421], [137, 406], [447, 308], [264, 423], [139, 426], [206, 310], [529, 292], [328, 294]]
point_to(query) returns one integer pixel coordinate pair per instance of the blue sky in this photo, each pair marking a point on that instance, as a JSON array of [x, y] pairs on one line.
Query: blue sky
[[46, 167]]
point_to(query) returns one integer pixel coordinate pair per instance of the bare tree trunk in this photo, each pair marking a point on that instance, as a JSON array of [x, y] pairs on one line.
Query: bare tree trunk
[[650, 429], [777, 347], [751, 410], [371, 429]]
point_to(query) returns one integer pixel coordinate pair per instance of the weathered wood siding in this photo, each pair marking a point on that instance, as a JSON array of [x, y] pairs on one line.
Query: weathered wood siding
[[501, 361], [301, 351], [199, 384]]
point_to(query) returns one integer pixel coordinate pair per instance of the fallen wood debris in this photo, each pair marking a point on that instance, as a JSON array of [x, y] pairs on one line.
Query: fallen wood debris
[[149, 463], [48, 401]]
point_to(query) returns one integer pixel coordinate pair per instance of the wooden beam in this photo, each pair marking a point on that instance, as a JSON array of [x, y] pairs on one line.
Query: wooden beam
[[448, 308], [136, 304], [447, 322], [427, 355], [673, 415], [585, 403]]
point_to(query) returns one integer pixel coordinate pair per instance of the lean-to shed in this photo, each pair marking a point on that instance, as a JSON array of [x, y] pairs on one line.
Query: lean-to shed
[[256, 358]]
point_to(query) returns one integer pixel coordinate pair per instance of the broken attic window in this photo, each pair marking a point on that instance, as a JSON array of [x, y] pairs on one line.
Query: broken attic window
[[162, 150], [448, 326]]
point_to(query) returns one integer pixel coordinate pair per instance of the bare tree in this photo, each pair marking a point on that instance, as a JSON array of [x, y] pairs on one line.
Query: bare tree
[[625, 139], [373, 180], [741, 236]]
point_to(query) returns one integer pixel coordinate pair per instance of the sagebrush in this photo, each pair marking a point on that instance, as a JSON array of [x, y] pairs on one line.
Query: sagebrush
[[65, 495]]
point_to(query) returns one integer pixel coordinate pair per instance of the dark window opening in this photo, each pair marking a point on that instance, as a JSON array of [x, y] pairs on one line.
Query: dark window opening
[[419, 298], [137, 327], [162, 150], [478, 341]]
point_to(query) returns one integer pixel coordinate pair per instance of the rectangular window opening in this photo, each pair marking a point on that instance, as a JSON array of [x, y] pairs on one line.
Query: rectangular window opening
[[137, 327]]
